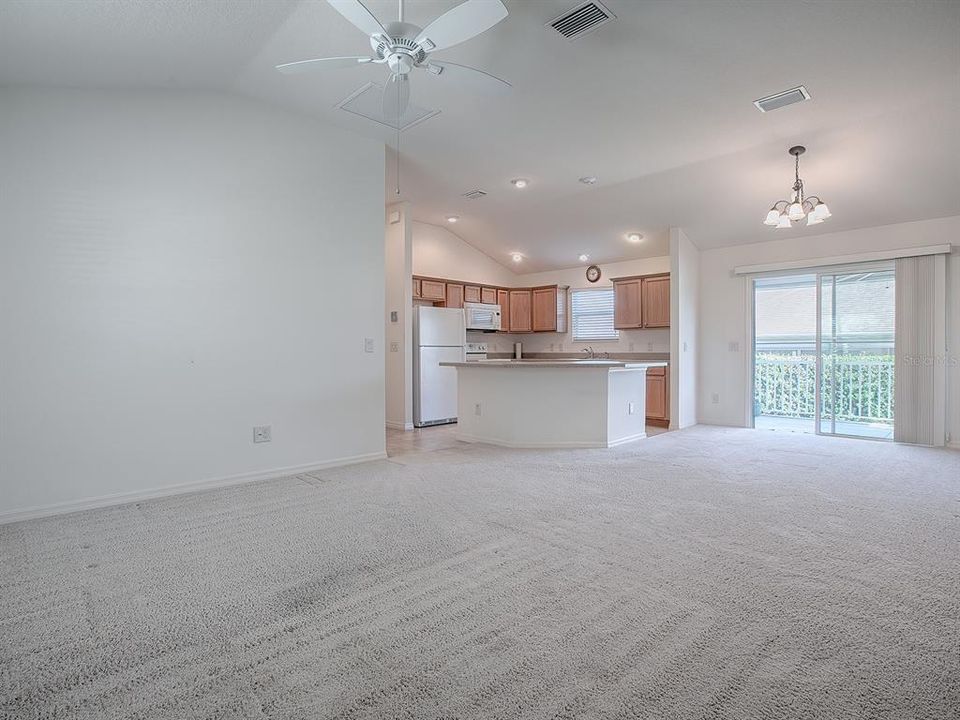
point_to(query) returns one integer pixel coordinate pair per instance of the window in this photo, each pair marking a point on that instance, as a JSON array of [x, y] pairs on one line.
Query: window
[[592, 314]]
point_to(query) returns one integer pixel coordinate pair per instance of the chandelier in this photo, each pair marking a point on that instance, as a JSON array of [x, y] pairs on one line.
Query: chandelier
[[799, 206]]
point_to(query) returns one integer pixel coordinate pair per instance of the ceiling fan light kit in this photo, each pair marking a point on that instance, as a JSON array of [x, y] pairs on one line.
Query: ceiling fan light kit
[[799, 206]]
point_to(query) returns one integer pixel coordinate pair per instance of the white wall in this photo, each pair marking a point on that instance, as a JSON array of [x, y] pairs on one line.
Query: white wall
[[724, 307], [399, 333], [684, 329], [176, 268], [438, 252]]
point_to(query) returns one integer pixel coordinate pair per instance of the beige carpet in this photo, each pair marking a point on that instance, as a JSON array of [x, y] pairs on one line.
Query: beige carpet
[[710, 573]]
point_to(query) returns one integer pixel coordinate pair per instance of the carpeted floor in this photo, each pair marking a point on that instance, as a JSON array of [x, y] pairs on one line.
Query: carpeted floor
[[710, 573]]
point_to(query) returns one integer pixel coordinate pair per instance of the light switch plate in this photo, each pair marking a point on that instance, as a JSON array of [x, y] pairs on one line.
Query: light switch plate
[[368, 345]]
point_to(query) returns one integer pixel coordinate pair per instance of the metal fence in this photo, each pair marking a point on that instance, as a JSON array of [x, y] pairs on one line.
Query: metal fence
[[856, 388]]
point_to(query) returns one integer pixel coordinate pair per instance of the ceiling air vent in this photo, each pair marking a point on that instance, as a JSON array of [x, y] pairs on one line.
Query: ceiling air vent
[[474, 194], [581, 20], [782, 99]]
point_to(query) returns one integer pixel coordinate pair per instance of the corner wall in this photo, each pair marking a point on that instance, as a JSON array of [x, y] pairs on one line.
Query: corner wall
[[399, 333], [175, 268], [684, 329]]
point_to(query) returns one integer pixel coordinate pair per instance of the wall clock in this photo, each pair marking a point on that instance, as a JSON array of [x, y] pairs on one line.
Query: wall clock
[[593, 273]]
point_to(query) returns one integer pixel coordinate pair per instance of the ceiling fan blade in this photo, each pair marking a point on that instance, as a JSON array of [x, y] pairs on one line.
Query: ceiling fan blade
[[469, 77], [357, 13], [396, 97], [463, 22], [329, 63]]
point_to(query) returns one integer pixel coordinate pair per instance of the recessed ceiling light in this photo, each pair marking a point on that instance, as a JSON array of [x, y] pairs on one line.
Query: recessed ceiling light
[[517, 257], [519, 183], [589, 179], [452, 218], [634, 237], [584, 258]]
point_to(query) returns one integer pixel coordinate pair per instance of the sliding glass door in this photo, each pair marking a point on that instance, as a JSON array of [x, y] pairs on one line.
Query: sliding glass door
[[823, 352], [855, 353]]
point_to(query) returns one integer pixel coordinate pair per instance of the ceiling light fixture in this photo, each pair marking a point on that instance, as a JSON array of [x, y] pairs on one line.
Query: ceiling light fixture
[[584, 258], [452, 218], [799, 206], [519, 183], [589, 179], [517, 257], [634, 237]]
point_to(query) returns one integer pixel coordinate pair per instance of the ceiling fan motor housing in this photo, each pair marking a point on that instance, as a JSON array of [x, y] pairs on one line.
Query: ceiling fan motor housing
[[400, 50]]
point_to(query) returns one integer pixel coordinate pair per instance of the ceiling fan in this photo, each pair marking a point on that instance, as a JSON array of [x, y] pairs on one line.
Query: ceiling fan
[[404, 47]]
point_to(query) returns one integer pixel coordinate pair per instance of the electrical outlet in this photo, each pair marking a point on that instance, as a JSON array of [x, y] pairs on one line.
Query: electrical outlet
[[368, 345], [629, 408], [649, 347], [734, 346], [477, 409], [394, 347], [715, 398], [631, 347], [262, 434], [394, 316]]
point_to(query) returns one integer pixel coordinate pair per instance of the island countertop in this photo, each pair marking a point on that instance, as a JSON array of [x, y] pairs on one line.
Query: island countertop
[[588, 364]]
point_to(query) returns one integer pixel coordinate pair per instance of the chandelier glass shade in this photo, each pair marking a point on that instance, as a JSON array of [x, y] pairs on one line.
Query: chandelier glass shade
[[786, 212]]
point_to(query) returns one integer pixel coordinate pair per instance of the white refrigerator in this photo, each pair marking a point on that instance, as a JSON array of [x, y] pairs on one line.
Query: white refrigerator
[[439, 335]]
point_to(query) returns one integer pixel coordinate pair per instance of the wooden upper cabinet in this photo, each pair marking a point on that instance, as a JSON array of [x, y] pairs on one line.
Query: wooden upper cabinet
[[503, 300], [471, 293], [488, 295], [656, 301], [454, 296], [627, 304], [521, 310], [544, 302], [433, 290]]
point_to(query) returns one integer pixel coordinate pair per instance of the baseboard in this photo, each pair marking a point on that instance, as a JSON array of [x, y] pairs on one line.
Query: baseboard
[[124, 498], [396, 425], [562, 445], [628, 439]]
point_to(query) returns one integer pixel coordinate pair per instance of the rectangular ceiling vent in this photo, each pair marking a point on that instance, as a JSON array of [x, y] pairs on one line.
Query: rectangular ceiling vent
[[782, 99], [581, 20], [474, 194]]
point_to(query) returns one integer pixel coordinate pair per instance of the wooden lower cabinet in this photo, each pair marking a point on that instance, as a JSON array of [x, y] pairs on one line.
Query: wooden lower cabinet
[[521, 311], [471, 293], [503, 300], [454, 296], [433, 290], [658, 396], [544, 314], [656, 301], [488, 295]]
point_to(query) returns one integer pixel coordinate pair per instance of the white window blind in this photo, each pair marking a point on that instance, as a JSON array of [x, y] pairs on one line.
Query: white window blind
[[592, 314]]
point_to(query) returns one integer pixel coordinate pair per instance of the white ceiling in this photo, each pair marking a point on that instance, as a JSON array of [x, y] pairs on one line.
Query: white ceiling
[[658, 104]]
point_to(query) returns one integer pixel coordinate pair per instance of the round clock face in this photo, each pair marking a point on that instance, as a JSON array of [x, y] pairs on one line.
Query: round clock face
[[593, 273]]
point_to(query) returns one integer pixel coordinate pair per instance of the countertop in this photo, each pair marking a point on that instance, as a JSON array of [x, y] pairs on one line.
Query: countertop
[[590, 364]]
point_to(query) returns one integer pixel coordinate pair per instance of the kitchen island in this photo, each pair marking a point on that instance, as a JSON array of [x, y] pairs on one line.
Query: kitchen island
[[551, 403]]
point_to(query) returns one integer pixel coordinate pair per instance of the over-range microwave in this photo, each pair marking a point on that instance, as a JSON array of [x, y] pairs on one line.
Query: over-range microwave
[[482, 316]]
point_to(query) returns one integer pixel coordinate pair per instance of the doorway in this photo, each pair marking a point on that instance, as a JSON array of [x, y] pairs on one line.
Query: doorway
[[823, 352]]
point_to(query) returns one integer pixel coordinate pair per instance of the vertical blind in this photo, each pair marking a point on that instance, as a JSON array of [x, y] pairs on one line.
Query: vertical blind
[[592, 314]]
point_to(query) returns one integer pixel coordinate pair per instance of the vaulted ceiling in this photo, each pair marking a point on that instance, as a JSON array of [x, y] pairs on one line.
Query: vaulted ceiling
[[657, 104]]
